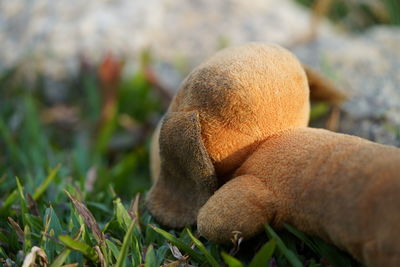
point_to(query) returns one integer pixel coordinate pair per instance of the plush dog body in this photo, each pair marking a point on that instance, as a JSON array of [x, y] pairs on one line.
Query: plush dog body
[[234, 152]]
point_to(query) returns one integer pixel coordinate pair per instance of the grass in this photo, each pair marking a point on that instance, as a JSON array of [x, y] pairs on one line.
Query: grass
[[74, 173]]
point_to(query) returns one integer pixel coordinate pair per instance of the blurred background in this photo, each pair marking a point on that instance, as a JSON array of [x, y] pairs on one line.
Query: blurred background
[[83, 83]]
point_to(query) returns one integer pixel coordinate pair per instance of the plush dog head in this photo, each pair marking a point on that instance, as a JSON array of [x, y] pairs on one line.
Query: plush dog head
[[223, 110]]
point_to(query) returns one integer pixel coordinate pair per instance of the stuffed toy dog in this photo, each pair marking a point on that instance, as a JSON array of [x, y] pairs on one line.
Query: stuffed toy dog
[[234, 152]]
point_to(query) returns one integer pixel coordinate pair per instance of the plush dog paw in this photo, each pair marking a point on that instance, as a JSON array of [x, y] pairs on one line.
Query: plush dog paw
[[243, 205]]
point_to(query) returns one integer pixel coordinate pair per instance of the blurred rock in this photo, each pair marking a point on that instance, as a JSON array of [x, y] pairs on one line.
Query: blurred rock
[[367, 67]]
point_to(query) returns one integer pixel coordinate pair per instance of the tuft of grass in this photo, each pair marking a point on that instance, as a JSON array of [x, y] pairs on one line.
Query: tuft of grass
[[68, 171]]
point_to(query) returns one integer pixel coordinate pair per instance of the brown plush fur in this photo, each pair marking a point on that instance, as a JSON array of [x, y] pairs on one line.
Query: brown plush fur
[[235, 153]]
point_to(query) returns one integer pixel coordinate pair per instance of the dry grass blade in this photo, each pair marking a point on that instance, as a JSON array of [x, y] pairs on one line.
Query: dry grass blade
[[332, 123], [17, 229], [32, 205], [236, 240], [89, 219], [101, 256], [134, 210], [179, 243], [91, 178], [78, 193], [175, 252], [172, 264], [60, 114], [177, 263], [323, 89], [36, 253], [45, 233]]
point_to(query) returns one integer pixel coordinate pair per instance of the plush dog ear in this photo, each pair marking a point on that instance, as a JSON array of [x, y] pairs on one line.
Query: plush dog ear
[[322, 89], [187, 177]]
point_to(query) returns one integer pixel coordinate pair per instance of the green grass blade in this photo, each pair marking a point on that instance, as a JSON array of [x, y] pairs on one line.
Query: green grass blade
[[289, 255], [210, 259], [3, 238], [125, 244], [122, 214], [40, 190], [114, 250], [151, 260], [231, 261], [8, 141], [59, 261], [3, 253], [303, 237], [8, 202], [263, 256], [24, 208], [106, 131], [80, 246], [27, 238], [54, 222], [179, 244]]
